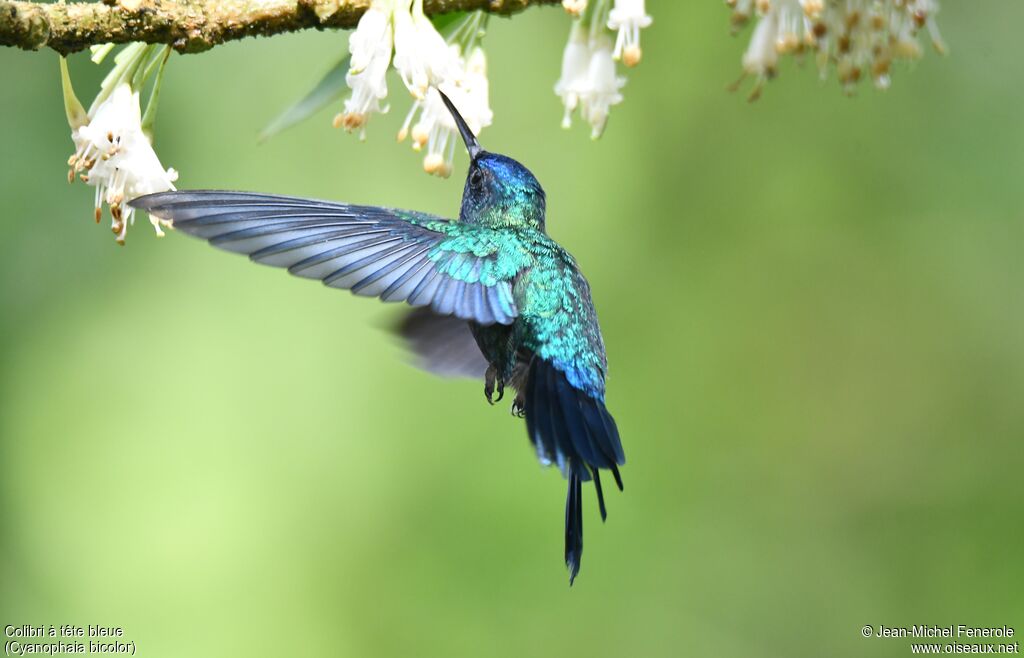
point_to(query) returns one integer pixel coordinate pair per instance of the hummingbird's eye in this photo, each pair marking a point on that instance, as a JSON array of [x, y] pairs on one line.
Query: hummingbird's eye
[[476, 178]]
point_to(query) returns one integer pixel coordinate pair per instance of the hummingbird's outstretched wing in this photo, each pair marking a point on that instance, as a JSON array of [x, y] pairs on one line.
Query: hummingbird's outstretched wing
[[396, 255]]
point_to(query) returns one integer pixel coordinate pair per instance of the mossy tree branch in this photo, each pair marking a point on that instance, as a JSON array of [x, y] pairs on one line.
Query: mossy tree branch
[[192, 26]]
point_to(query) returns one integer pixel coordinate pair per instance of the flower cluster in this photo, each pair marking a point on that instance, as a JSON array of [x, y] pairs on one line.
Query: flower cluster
[[589, 78], [113, 152], [435, 129], [425, 61], [858, 37]]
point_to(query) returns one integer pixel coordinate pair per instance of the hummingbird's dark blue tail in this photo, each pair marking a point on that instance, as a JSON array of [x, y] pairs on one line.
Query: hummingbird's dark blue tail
[[573, 429]]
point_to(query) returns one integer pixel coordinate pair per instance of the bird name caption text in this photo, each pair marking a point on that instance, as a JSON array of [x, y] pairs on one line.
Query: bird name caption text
[[65, 639], [952, 639]]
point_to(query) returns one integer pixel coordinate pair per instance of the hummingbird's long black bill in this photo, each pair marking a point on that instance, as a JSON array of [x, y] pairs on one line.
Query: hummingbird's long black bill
[[472, 145]]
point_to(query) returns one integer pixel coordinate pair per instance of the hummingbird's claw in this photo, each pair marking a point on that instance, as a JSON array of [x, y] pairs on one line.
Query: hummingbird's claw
[[489, 378], [493, 382], [519, 406]]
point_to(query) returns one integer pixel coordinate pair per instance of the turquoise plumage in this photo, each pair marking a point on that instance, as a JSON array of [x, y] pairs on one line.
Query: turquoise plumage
[[495, 296]]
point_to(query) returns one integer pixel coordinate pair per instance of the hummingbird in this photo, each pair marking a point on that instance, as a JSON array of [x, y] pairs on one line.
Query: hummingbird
[[493, 297]]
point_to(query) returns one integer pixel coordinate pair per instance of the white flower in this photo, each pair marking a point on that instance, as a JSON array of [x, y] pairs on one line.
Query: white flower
[[370, 46], [922, 12], [422, 56], [575, 65], [365, 39], [589, 80], [628, 17], [114, 154], [435, 130], [602, 86], [761, 57]]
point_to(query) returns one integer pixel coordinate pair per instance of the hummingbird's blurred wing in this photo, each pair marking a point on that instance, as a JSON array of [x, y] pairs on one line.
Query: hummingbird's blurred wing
[[442, 344], [397, 255]]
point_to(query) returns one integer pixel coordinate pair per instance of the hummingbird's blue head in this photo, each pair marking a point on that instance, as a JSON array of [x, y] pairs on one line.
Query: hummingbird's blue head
[[499, 191]]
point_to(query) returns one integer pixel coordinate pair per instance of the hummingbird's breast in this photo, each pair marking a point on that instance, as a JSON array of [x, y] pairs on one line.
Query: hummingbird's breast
[[559, 321]]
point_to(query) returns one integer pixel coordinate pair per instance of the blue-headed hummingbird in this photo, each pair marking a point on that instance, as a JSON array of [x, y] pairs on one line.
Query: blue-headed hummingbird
[[495, 296]]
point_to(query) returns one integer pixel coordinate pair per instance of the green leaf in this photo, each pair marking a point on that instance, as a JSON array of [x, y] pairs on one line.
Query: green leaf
[[157, 56], [149, 118], [72, 107], [443, 22], [328, 90]]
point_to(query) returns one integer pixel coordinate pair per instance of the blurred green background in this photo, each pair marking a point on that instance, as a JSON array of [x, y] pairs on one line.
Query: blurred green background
[[812, 308]]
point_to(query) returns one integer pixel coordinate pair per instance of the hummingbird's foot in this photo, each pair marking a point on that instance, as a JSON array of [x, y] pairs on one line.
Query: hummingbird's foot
[[491, 382], [519, 405]]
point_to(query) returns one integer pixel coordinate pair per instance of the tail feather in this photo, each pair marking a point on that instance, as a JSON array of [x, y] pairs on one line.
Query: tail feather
[[573, 527], [572, 428], [618, 477], [568, 409], [600, 494], [538, 419]]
